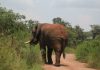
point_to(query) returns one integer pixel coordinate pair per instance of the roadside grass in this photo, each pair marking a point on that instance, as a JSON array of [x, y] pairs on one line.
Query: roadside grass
[[89, 51], [70, 50], [16, 55]]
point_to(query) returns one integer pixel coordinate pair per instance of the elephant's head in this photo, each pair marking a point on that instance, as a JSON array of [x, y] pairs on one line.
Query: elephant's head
[[36, 33], [35, 36], [34, 39]]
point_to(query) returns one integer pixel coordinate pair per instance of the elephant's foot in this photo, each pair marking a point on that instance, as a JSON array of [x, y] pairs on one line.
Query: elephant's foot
[[50, 62], [57, 64], [46, 62]]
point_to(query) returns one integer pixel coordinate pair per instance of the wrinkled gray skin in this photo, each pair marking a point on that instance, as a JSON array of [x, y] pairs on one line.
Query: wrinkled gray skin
[[52, 36]]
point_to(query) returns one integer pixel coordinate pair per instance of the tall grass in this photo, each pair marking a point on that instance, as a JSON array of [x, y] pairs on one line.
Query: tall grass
[[17, 55], [70, 50], [89, 51]]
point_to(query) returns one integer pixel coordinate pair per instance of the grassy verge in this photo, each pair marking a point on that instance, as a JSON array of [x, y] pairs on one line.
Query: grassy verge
[[15, 55], [70, 50], [89, 51]]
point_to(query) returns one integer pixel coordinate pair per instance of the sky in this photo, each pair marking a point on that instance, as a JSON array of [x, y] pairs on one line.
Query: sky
[[77, 12]]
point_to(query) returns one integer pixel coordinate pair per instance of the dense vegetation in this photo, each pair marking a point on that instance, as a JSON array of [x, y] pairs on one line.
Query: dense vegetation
[[89, 51], [14, 53]]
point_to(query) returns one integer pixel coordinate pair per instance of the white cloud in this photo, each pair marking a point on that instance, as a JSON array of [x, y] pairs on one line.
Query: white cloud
[[82, 12], [23, 2], [77, 4]]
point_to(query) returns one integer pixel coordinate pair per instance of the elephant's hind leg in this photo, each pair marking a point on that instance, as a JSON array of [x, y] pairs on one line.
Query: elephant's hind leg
[[49, 56], [58, 55]]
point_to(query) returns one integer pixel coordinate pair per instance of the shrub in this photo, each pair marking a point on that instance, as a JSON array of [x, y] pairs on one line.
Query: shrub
[[10, 61], [88, 51], [18, 56]]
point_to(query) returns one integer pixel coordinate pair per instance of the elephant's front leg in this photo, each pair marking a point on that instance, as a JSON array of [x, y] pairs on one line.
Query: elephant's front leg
[[49, 55], [43, 53]]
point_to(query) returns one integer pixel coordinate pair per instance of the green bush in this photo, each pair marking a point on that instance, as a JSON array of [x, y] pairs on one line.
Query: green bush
[[9, 60], [14, 53], [88, 51], [70, 50], [18, 55], [32, 55]]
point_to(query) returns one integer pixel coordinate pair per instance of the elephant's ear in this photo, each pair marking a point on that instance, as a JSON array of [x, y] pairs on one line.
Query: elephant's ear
[[37, 29]]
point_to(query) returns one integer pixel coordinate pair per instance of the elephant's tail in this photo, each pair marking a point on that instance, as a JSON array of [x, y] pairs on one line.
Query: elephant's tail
[[63, 47], [63, 54]]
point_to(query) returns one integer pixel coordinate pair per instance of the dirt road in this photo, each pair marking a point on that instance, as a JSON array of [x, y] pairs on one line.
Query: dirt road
[[69, 63]]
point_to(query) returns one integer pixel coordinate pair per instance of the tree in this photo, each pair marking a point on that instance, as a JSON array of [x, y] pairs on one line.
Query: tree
[[10, 22], [31, 23], [59, 20], [80, 33], [95, 30]]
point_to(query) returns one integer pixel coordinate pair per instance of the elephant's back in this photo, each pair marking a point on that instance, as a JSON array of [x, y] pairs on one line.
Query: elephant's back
[[54, 31]]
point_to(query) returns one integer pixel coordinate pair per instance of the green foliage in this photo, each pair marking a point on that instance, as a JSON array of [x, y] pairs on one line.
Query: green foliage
[[59, 20], [10, 61], [88, 51], [95, 30], [19, 56], [14, 53], [72, 38], [10, 22], [70, 50], [31, 24], [79, 33], [32, 55]]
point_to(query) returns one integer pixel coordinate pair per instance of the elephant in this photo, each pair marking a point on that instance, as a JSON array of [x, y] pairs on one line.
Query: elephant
[[50, 36]]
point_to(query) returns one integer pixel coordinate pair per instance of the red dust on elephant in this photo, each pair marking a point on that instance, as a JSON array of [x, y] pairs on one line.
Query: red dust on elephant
[[52, 36]]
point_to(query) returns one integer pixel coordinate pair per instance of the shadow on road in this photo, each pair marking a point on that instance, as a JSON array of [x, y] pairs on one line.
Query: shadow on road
[[63, 65]]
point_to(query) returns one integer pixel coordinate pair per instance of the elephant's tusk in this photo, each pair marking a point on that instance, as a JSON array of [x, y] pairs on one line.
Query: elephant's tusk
[[27, 42]]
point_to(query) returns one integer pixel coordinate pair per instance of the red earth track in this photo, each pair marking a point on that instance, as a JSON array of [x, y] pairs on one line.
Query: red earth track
[[69, 63]]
